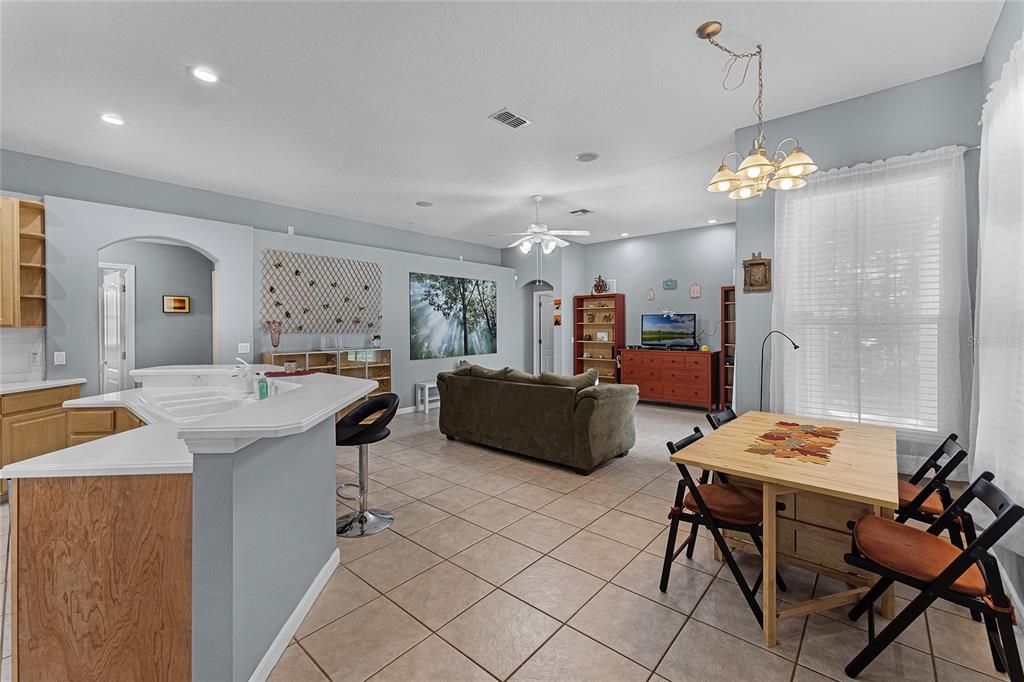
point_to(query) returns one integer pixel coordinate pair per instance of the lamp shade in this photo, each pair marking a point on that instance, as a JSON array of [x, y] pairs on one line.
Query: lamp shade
[[748, 189], [797, 164], [724, 180], [548, 246], [755, 165], [785, 183], [526, 246]]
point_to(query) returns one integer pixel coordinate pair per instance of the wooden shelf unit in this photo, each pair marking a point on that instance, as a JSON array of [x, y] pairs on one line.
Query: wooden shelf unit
[[362, 363], [22, 263], [593, 314], [727, 358]]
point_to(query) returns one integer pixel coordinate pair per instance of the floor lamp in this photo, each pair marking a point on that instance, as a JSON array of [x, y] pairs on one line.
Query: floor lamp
[[760, 396]]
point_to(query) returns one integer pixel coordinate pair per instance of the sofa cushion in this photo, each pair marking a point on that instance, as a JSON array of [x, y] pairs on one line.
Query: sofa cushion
[[579, 382], [463, 370], [521, 377], [485, 373]]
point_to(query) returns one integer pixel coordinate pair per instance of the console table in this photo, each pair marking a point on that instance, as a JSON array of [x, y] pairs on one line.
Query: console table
[[673, 376]]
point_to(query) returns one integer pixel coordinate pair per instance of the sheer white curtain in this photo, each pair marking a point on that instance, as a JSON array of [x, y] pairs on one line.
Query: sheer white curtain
[[871, 281], [999, 322]]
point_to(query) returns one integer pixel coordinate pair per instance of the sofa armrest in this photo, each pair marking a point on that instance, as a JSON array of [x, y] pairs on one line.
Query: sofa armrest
[[604, 423]]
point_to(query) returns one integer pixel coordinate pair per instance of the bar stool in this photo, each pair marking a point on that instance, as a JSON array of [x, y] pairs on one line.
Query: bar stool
[[351, 431]]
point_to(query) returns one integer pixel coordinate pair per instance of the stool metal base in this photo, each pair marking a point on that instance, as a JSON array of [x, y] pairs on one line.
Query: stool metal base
[[362, 523], [348, 485]]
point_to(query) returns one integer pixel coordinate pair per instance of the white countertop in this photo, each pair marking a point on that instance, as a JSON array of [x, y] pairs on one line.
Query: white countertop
[[23, 386], [167, 446]]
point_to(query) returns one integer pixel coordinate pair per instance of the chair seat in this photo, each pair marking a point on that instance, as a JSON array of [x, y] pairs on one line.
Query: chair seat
[[932, 504], [913, 552], [729, 503], [356, 434]]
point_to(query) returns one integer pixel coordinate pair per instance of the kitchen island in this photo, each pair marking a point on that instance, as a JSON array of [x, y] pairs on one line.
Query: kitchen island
[[190, 547]]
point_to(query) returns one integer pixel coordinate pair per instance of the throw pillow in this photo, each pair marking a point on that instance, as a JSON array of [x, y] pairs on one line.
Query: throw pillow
[[485, 373], [579, 382], [521, 377]]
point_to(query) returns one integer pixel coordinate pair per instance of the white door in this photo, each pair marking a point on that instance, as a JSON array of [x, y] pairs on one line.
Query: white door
[[544, 330], [117, 333]]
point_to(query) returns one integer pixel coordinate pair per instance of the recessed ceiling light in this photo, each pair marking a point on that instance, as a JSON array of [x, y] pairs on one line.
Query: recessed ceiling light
[[112, 119], [204, 73], [623, 234], [424, 204], [587, 157], [712, 221]]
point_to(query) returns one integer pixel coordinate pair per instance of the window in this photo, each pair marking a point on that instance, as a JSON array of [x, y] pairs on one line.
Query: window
[[871, 281]]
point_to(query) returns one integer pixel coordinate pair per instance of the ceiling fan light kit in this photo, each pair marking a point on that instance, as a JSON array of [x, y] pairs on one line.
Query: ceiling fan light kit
[[538, 234], [757, 171]]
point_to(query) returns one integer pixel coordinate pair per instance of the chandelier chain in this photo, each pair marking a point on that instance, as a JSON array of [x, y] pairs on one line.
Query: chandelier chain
[[747, 57]]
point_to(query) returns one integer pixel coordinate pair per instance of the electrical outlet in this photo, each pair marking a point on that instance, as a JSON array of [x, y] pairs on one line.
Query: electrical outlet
[[243, 348], [60, 357], [33, 359]]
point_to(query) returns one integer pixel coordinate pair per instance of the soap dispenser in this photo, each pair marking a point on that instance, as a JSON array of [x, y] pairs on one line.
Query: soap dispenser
[[263, 385]]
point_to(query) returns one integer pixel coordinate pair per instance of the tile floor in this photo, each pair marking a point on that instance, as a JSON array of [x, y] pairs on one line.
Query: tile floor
[[504, 567]]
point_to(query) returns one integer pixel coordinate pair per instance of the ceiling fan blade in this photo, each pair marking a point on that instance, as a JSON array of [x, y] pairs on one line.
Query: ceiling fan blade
[[509, 234], [560, 242], [570, 233], [518, 241]]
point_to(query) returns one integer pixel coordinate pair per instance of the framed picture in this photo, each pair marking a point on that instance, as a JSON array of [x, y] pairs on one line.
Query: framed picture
[[177, 304], [602, 336], [757, 273]]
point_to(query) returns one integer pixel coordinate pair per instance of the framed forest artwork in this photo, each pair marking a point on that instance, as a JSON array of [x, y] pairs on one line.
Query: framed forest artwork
[[451, 316]]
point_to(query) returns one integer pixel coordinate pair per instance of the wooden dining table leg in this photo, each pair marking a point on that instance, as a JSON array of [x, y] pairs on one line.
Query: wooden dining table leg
[[769, 523], [887, 602]]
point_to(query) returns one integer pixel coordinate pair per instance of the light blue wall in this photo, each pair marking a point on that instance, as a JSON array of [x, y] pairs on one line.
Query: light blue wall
[[925, 114], [1009, 29]]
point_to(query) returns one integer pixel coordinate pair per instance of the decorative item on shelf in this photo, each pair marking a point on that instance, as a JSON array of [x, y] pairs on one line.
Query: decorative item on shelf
[[177, 304], [590, 317], [650, 294], [611, 285], [375, 341], [600, 285], [588, 337], [705, 348], [694, 290], [586, 354], [757, 171], [602, 336], [607, 317], [599, 356], [273, 328], [669, 285], [290, 366], [757, 273]]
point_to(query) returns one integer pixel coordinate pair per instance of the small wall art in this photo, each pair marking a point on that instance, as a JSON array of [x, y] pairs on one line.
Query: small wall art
[[669, 285], [757, 273], [694, 290], [177, 304], [650, 294]]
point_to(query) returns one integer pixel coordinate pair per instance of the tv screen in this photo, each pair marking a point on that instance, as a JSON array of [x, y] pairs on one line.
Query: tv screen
[[668, 331]]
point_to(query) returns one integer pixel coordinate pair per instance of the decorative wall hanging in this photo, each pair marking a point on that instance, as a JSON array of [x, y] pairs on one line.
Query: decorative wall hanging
[[558, 312], [669, 285], [273, 328], [451, 316], [650, 294], [177, 304], [694, 290], [600, 285], [757, 273], [312, 294]]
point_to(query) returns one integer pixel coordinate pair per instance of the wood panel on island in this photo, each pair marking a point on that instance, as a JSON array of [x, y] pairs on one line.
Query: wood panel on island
[[599, 334], [22, 263]]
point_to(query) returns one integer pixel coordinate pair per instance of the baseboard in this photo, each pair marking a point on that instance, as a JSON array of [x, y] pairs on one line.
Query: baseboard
[[291, 625], [406, 410]]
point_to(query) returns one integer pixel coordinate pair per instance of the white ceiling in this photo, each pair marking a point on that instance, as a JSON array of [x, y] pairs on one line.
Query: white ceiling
[[362, 109]]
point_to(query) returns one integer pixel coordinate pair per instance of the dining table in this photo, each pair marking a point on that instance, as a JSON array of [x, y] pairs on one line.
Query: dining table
[[829, 471]]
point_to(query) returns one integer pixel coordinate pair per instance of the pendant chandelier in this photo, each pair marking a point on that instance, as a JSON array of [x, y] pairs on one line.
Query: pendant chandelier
[[757, 171]]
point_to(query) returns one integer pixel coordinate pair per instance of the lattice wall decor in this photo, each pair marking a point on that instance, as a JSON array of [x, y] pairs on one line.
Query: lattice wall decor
[[313, 294]]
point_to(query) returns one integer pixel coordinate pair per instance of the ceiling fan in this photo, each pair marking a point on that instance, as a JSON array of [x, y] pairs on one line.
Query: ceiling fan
[[538, 233]]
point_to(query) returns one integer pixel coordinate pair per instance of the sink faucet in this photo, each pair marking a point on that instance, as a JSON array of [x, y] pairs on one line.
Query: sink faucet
[[244, 370]]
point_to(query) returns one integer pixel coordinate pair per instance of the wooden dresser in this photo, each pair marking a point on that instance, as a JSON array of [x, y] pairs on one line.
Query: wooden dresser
[[672, 376]]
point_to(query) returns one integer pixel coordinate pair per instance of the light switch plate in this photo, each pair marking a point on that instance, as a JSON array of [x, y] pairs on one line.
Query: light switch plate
[[60, 357], [243, 348]]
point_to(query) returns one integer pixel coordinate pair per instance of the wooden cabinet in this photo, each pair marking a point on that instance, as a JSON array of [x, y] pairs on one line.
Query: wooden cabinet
[[727, 365], [33, 423], [22, 263], [361, 363], [680, 377], [86, 424], [599, 333]]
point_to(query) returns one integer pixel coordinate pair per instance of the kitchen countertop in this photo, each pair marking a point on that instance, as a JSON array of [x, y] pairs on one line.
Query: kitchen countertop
[[23, 386], [167, 446]]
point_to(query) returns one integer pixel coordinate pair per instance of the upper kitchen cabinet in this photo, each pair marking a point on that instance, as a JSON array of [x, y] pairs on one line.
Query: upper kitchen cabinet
[[22, 263]]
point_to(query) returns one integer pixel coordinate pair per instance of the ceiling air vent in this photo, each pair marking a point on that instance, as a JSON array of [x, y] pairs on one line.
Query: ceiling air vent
[[581, 211], [506, 117]]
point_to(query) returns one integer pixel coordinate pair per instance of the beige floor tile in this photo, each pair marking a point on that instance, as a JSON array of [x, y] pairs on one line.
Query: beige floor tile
[[557, 589], [407, 456], [524, 470], [455, 499], [492, 483], [436, 596], [627, 480], [961, 641], [387, 499], [703, 552], [430, 465], [353, 548], [460, 473], [494, 514], [495, 559], [393, 564], [916, 635], [417, 516], [432, 660], [830, 645], [951, 672], [626, 528], [540, 532], [663, 487], [602, 493], [724, 607], [685, 585], [499, 632], [296, 666], [343, 593], [571, 656], [560, 480], [573, 510], [631, 625], [384, 448], [646, 507], [379, 631], [450, 536], [423, 486], [395, 475], [595, 554], [529, 496], [719, 657], [803, 674]]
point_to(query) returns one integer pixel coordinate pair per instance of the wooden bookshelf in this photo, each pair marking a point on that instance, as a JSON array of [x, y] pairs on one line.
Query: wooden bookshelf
[[361, 363], [22, 263], [594, 316], [727, 367]]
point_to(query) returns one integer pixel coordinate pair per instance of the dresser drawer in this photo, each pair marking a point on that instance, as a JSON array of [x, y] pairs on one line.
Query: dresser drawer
[[637, 375], [631, 359], [650, 390], [690, 377], [652, 359], [686, 394], [91, 421]]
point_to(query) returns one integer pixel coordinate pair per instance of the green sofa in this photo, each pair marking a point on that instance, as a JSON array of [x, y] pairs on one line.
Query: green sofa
[[565, 420]]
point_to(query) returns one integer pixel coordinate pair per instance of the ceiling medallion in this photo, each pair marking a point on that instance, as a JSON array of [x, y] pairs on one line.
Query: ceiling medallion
[[757, 171]]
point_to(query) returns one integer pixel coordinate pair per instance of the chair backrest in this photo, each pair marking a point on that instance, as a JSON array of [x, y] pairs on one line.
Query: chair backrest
[[716, 419], [1006, 512], [686, 441], [949, 448], [386, 404]]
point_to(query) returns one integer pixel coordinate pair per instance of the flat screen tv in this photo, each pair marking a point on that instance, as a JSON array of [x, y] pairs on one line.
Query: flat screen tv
[[669, 331]]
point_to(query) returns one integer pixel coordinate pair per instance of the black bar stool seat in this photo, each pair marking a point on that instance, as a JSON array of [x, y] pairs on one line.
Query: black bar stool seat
[[352, 430]]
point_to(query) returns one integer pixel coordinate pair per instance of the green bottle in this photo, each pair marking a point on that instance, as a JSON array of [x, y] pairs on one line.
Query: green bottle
[[264, 386]]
